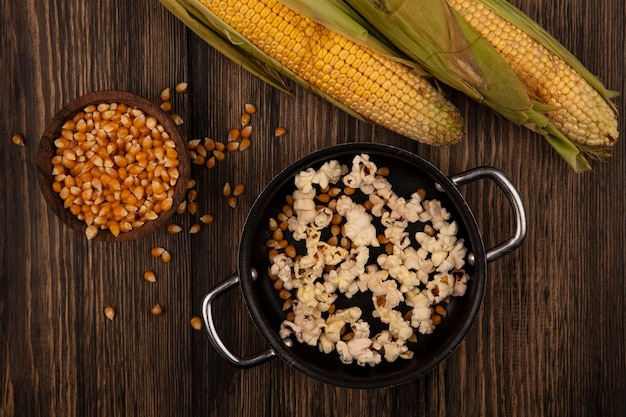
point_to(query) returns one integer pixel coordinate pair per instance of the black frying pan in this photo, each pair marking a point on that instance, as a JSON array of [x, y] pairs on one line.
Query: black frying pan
[[408, 172]]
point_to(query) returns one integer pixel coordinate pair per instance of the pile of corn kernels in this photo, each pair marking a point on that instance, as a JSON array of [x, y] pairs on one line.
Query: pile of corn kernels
[[115, 168]]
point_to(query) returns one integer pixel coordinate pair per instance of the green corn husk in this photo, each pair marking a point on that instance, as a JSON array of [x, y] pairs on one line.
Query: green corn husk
[[444, 44]]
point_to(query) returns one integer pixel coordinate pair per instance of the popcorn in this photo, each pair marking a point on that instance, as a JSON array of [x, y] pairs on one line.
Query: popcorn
[[358, 227], [417, 270]]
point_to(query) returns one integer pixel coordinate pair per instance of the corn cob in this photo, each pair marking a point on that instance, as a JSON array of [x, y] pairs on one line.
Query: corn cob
[[487, 49], [580, 112], [358, 79]]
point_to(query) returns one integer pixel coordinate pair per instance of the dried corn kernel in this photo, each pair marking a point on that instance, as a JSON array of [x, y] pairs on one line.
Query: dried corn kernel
[[109, 312], [156, 310], [149, 276], [18, 139], [181, 87], [196, 322], [280, 131]]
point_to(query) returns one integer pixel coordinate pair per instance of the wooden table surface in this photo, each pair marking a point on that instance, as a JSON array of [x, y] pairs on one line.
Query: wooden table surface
[[549, 338]]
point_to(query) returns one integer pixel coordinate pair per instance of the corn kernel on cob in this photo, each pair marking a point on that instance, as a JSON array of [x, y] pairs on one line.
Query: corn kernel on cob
[[360, 80]]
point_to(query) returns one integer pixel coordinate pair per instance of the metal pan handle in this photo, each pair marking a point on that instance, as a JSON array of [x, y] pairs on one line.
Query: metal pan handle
[[207, 315], [514, 199]]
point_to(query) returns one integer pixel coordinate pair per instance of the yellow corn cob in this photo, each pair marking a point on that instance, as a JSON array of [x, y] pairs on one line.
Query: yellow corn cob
[[580, 112], [379, 89]]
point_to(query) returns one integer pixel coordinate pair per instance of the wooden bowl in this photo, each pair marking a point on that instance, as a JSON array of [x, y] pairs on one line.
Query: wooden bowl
[[47, 150]]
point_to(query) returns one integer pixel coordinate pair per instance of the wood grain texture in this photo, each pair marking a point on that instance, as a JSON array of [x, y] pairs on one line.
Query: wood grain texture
[[548, 341]]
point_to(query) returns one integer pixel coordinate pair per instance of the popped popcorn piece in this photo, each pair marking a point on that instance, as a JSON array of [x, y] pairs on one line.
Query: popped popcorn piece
[[329, 173], [306, 328], [362, 175], [335, 322], [304, 180], [359, 228], [398, 327], [393, 349], [304, 206], [357, 349], [281, 267], [460, 284], [421, 314], [439, 288]]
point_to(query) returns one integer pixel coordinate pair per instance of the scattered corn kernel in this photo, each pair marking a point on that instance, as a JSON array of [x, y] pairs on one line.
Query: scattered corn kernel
[[149, 276], [244, 144], [227, 190], [232, 146], [233, 134], [177, 119], [383, 171], [18, 139], [249, 108], [156, 310], [157, 251], [166, 94], [166, 106], [109, 312], [245, 119], [280, 131], [239, 189], [166, 256], [246, 132], [210, 162], [173, 228], [192, 194], [181, 87], [207, 218], [195, 228], [196, 322]]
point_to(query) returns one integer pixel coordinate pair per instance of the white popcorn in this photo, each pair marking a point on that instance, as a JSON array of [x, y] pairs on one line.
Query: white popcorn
[[358, 349], [323, 217], [433, 211], [324, 344], [349, 270], [359, 228], [335, 322], [281, 267], [304, 180], [416, 276], [362, 175], [377, 282], [460, 285], [305, 327], [439, 288], [344, 204], [398, 327], [329, 173], [378, 205], [384, 342], [297, 229], [457, 255]]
